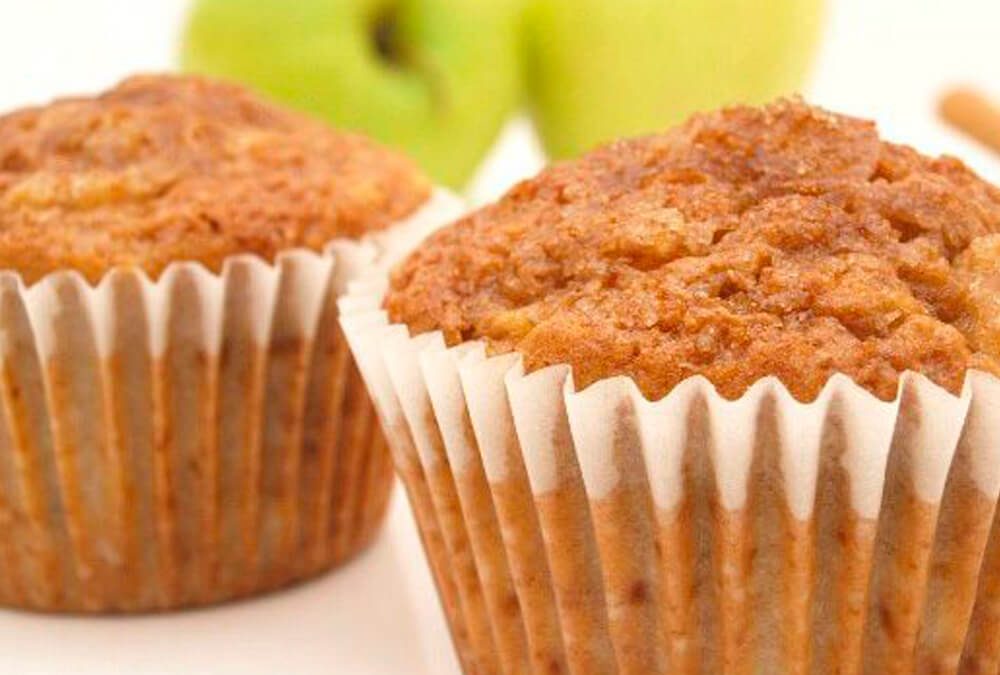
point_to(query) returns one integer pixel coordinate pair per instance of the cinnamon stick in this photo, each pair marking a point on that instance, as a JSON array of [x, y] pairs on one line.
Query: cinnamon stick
[[973, 113]]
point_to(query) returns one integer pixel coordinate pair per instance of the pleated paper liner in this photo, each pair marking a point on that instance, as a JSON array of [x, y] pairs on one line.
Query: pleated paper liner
[[190, 440], [597, 532]]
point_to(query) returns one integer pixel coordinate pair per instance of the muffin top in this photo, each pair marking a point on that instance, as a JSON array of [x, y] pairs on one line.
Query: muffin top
[[784, 241], [165, 168]]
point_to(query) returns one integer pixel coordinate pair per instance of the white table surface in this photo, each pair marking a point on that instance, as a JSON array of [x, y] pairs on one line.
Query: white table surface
[[885, 59]]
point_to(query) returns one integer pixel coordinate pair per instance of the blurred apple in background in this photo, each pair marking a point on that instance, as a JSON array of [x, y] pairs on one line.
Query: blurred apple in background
[[602, 69], [438, 78], [434, 78]]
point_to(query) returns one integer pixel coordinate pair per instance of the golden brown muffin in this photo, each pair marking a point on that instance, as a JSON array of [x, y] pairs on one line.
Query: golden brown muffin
[[782, 241], [165, 168], [205, 437]]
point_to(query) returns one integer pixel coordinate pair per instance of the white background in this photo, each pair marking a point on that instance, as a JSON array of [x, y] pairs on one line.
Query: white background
[[884, 59]]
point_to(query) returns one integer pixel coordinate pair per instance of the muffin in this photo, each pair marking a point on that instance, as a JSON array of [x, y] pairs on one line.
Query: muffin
[[181, 421], [719, 400]]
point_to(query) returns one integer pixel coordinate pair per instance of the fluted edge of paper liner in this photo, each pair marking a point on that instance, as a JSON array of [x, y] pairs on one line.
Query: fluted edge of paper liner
[[192, 439], [596, 531]]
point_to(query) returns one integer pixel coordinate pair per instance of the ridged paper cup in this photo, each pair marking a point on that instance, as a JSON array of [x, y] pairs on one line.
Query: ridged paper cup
[[594, 531], [189, 440]]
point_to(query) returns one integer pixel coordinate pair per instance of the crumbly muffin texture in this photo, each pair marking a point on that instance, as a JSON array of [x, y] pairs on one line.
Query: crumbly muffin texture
[[749, 242], [165, 168]]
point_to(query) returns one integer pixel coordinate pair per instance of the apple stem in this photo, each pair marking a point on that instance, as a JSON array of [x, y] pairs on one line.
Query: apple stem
[[385, 36]]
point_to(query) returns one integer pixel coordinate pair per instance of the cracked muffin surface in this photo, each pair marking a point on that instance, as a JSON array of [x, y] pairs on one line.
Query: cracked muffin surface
[[784, 241], [164, 168]]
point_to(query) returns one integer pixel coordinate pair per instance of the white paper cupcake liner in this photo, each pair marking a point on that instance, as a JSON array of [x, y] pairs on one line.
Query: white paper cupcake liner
[[598, 532], [189, 440]]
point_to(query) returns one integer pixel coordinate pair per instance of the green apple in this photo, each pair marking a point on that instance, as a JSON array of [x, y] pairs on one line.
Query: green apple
[[602, 69], [434, 78]]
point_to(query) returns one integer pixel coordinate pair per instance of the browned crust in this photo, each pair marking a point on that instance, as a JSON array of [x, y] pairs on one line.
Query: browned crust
[[782, 241], [166, 168], [432, 538], [113, 490], [628, 556], [697, 586]]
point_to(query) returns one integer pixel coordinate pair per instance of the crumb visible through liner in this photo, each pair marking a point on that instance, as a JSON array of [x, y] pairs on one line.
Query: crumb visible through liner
[[165, 168], [749, 242]]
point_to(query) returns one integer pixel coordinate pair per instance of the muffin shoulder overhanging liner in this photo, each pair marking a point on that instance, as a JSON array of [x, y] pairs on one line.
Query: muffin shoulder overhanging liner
[[190, 439], [598, 532]]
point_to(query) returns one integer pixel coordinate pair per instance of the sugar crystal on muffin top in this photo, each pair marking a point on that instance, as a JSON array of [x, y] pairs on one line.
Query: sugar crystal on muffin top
[[779, 241]]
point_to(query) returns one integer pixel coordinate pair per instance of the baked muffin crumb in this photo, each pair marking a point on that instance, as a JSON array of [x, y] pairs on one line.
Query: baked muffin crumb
[[784, 240], [164, 168]]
